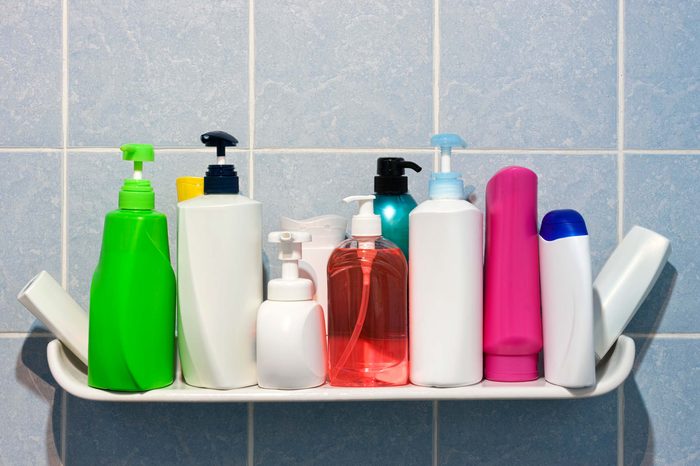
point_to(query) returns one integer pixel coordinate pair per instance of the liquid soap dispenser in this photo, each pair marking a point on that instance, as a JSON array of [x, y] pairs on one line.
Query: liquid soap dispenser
[[291, 332], [445, 273], [367, 308], [131, 343], [219, 263], [393, 203]]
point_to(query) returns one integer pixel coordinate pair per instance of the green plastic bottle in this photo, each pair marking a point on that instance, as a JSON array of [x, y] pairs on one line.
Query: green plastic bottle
[[132, 297], [392, 201]]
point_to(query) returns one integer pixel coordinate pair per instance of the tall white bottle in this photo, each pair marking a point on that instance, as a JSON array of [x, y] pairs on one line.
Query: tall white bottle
[[567, 300], [327, 231], [219, 268], [291, 336], [446, 281]]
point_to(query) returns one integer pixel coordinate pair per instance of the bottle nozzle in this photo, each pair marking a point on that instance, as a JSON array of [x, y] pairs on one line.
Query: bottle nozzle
[[290, 287], [446, 141], [138, 153], [365, 222], [221, 140]]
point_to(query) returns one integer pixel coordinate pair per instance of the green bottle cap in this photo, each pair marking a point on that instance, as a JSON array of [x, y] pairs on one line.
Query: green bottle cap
[[136, 193]]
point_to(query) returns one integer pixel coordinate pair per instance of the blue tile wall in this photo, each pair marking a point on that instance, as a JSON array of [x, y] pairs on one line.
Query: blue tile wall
[[661, 193], [345, 74], [343, 433], [30, 73], [529, 74], [30, 229], [661, 403], [144, 71], [662, 64], [152, 433], [31, 404], [522, 432], [334, 85]]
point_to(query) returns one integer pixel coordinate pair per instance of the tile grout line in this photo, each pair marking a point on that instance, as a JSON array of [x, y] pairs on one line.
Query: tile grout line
[[621, 425], [436, 159], [436, 77], [436, 432], [64, 199], [620, 119], [251, 98], [620, 196], [371, 150], [250, 453], [250, 426]]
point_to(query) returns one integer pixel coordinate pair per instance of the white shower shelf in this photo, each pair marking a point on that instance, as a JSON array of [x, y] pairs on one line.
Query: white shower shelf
[[71, 374]]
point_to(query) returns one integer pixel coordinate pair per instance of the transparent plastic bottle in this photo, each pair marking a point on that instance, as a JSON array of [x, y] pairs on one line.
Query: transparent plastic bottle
[[367, 310]]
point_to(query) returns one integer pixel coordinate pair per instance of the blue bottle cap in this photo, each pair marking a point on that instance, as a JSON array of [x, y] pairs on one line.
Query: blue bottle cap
[[562, 224]]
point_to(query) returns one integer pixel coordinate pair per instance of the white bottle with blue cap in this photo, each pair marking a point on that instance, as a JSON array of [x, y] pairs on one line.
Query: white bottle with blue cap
[[567, 300], [446, 280]]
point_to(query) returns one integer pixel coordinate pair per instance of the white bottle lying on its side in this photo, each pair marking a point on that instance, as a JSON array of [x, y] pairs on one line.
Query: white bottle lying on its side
[[567, 300]]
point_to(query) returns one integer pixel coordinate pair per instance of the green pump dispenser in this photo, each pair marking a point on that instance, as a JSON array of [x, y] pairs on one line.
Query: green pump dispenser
[[131, 346]]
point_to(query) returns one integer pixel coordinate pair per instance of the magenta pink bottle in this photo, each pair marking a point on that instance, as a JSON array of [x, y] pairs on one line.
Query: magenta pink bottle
[[512, 319]]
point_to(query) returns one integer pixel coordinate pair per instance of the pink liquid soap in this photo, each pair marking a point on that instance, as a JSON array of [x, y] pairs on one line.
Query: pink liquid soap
[[374, 281]]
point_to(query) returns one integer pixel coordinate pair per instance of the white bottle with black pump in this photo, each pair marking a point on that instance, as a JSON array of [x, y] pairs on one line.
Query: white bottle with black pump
[[291, 332], [219, 282]]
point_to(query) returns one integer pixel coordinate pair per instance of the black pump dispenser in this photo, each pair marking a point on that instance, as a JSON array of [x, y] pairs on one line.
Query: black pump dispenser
[[220, 178], [391, 177]]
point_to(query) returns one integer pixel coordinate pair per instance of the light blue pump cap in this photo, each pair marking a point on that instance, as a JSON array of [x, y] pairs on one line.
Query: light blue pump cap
[[449, 140], [446, 184]]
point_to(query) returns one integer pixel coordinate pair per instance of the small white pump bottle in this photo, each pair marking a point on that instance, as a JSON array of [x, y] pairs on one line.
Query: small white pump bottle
[[446, 280], [567, 300], [327, 231], [291, 331]]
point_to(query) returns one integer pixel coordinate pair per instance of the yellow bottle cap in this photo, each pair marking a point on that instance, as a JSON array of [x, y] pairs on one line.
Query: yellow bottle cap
[[189, 187]]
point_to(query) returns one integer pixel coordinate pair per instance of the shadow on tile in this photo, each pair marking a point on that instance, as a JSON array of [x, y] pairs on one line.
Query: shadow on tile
[[639, 436], [651, 312], [33, 357]]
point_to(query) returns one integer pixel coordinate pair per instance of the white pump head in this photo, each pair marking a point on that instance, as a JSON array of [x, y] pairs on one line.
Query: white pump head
[[365, 222], [290, 287]]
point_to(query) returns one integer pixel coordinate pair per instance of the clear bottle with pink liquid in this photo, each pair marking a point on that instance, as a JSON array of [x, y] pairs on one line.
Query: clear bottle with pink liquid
[[367, 306], [512, 318]]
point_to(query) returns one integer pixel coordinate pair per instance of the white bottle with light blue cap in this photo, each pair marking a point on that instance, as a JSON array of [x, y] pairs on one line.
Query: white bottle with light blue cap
[[567, 300], [446, 280]]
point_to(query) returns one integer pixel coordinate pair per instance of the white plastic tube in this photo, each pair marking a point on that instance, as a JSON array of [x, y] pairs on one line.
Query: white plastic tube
[[50, 303], [624, 282]]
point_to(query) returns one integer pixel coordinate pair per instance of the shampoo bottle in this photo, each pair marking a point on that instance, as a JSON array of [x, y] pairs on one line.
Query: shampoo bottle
[[567, 300], [392, 201], [219, 264], [291, 335], [327, 231], [367, 311], [512, 319], [131, 343], [445, 289]]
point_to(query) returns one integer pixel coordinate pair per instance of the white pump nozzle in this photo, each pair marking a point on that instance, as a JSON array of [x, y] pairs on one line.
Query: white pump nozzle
[[290, 287], [365, 222]]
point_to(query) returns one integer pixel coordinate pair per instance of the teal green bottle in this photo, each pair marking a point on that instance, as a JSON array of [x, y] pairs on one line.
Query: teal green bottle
[[392, 202], [131, 346]]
